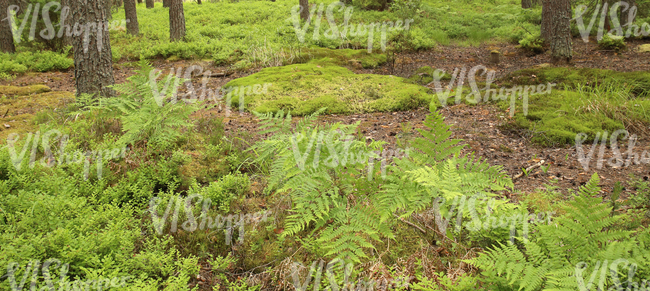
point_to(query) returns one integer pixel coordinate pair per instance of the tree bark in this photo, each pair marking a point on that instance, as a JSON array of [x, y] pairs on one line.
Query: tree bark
[[140, 1], [93, 65], [176, 20], [628, 16], [546, 20], [304, 12], [131, 16], [526, 4], [561, 47], [6, 36], [166, 3], [149, 4]]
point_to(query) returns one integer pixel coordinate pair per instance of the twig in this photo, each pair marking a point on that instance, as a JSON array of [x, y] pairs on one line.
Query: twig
[[411, 224], [527, 170], [5, 115]]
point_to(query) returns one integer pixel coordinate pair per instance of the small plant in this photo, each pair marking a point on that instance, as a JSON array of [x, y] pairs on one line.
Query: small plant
[[525, 171], [611, 42], [545, 168], [532, 42]]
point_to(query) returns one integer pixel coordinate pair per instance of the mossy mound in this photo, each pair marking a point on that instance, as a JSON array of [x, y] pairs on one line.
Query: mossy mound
[[557, 118], [304, 88], [21, 91], [569, 77], [424, 75], [355, 59]]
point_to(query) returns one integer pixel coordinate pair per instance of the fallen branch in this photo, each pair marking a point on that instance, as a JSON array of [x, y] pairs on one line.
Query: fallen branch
[[528, 170], [411, 224], [5, 115]]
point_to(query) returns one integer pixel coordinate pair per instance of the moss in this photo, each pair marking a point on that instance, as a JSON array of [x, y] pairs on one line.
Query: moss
[[303, 88], [556, 118], [568, 77], [21, 110], [345, 57], [25, 90]]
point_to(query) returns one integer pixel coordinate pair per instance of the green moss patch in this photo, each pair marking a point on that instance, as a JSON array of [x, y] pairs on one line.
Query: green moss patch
[[26, 90], [568, 78], [19, 111], [303, 88], [557, 117], [355, 59]]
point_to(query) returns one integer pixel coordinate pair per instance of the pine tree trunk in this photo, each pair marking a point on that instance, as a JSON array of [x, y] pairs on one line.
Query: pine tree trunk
[[67, 22], [198, 1], [176, 20], [546, 20], [149, 4], [140, 1], [6, 36], [628, 16], [304, 13], [131, 16], [526, 4], [166, 3], [560, 30], [93, 66]]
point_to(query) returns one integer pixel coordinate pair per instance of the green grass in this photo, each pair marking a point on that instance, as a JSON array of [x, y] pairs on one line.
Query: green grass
[[591, 101]]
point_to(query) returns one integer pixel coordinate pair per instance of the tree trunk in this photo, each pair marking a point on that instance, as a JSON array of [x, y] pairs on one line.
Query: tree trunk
[[546, 20], [560, 30], [304, 9], [140, 1], [149, 4], [6, 36], [131, 16], [93, 66], [166, 3], [526, 4], [176, 20], [198, 1], [628, 16]]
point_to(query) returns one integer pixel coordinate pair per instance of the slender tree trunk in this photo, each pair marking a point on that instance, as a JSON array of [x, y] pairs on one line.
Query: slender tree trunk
[[176, 20], [546, 20], [304, 12], [66, 21], [561, 47], [628, 16], [131, 16], [140, 1], [93, 66], [166, 3], [198, 1], [526, 4], [149, 4], [6, 36]]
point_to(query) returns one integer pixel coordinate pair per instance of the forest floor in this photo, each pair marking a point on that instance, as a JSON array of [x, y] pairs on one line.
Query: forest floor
[[482, 127]]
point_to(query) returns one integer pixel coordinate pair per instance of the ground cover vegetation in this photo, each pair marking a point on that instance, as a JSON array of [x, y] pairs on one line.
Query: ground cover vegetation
[[174, 208]]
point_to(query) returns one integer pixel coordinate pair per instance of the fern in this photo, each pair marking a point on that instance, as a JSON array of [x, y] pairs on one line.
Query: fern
[[346, 211], [550, 262], [157, 119]]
